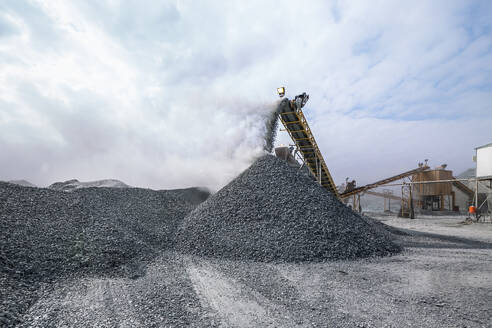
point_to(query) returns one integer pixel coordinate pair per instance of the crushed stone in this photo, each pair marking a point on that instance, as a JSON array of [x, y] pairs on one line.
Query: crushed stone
[[274, 212]]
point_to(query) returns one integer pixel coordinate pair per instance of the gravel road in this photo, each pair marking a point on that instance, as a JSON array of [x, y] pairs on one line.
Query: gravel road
[[443, 225], [163, 297]]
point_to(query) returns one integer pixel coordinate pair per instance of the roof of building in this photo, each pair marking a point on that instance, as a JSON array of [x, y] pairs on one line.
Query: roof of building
[[484, 146]]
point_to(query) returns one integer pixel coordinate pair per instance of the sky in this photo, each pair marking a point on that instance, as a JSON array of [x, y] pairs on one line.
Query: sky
[[172, 94]]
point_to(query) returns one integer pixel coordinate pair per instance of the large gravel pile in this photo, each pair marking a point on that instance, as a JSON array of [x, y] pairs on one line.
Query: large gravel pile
[[47, 234], [272, 212]]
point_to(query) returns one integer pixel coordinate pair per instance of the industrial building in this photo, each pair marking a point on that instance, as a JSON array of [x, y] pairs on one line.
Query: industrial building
[[421, 191], [432, 195]]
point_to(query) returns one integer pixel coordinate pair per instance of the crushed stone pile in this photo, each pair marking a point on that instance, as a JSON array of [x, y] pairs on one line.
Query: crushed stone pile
[[274, 212], [22, 182], [74, 184], [47, 234], [194, 195]]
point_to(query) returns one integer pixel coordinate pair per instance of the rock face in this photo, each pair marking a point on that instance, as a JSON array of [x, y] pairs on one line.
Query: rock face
[[71, 185], [273, 212]]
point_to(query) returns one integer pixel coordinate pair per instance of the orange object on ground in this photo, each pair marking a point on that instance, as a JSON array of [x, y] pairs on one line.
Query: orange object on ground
[[471, 209]]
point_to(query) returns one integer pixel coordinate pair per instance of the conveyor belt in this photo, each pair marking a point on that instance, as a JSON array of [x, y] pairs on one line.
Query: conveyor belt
[[296, 125], [382, 182], [461, 186]]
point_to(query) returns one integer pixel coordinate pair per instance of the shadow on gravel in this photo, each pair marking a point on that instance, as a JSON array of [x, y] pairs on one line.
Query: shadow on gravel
[[411, 238]]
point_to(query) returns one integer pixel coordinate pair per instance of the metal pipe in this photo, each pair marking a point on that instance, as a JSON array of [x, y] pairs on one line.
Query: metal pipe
[[483, 203], [476, 193], [410, 203]]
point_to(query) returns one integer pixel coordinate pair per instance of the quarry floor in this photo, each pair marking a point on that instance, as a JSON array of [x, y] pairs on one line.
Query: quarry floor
[[442, 279]]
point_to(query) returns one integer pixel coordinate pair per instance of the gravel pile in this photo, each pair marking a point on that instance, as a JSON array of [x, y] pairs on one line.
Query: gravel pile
[[193, 195], [272, 212], [71, 185], [47, 234], [22, 182]]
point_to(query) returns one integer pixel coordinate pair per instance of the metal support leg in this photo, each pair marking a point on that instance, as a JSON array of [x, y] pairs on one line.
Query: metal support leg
[[410, 201], [476, 193]]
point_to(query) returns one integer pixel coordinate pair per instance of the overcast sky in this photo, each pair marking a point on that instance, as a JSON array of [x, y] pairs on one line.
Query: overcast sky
[[168, 94]]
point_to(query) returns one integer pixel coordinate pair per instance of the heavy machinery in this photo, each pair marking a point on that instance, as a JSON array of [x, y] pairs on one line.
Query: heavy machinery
[[295, 123], [292, 117], [406, 199], [358, 190]]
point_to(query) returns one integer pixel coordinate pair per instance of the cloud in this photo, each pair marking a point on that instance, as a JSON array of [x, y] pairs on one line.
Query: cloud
[[173, 93], [7, 27]]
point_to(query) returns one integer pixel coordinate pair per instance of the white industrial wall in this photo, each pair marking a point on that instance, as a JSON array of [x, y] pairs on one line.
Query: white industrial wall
[[484, 161]]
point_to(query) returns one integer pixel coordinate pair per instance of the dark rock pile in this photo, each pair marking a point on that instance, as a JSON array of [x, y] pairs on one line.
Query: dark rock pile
[[194, 195], [272, 212], [47, 234]]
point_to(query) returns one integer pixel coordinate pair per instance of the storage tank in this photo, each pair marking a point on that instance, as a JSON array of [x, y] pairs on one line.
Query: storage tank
[[430, 189], [434, 196]]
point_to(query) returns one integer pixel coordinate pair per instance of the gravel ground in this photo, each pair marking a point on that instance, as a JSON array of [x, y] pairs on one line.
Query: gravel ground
[[164, 297], [435, 282], [273, 212], [443, 225], [48, 235]]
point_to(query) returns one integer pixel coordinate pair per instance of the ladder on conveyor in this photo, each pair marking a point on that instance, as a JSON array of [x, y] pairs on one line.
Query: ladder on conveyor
[[297, 126]]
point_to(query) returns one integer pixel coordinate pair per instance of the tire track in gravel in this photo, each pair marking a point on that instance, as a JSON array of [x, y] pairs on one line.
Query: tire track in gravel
[[236, 304], [162, 297], [87, 303]]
